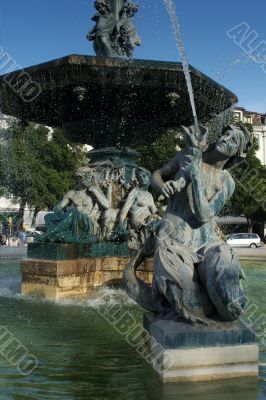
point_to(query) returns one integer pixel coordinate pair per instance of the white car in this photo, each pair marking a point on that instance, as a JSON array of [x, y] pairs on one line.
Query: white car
[[244, 240]]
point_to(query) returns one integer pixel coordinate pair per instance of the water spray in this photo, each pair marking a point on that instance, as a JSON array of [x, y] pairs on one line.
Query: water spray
[[170, 5]]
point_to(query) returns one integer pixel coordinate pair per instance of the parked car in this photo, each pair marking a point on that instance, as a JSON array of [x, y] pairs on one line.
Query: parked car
[[244, 240]]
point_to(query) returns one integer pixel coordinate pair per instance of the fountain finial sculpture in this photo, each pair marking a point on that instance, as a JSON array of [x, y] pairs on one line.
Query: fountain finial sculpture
[[114, 34]]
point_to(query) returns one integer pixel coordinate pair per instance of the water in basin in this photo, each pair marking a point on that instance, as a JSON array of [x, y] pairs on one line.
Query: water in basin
[[80, 356]]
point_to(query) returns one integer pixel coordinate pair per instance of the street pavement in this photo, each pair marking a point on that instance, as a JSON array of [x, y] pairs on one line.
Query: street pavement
[[13, 252], [258, 254]]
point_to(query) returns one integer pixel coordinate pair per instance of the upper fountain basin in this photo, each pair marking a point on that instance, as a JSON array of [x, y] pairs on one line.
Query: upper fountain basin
[[111, 102]]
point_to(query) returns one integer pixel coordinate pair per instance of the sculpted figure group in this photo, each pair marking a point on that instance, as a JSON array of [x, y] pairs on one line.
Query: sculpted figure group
[[196, 276], [114, 35], [104, 207]]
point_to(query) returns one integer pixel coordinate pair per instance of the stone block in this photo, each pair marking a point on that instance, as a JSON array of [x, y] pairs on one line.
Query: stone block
[[183, 352], [146, 276], [176, 334], [56, 268], [214, 372], [54, 279]]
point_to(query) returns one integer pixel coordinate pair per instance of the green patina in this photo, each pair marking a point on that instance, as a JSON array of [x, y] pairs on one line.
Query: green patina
[[68, 251]]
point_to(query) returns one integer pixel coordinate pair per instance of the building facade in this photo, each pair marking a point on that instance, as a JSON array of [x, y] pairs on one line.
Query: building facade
[[258, 121], [4, 120]]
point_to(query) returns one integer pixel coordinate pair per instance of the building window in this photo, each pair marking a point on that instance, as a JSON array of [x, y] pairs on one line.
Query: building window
[[237, 116]]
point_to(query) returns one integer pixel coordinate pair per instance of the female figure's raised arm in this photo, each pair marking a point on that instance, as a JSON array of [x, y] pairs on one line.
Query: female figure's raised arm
[[162, 179], [127, 206], [100, 196]]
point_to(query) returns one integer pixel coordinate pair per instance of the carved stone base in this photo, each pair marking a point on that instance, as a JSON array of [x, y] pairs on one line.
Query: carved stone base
[[211, 363], [182, 352], [55, 279]]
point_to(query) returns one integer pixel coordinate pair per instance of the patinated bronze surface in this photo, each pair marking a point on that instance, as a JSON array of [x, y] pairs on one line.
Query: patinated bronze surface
[[196, 274], [110, 203], [114, 34]]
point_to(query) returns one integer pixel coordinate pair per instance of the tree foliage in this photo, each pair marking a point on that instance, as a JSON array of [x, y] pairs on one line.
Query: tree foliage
[[249, 198], [158, 153], [250, 193], [37, 166]]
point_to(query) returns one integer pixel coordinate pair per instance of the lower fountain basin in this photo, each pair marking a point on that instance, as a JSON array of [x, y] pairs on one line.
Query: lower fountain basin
[[83, 356]]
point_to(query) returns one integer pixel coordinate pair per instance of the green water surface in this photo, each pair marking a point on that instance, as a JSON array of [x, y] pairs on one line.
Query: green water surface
[[81, 356]]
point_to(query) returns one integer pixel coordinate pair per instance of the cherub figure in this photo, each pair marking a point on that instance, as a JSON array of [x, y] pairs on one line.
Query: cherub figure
[[102, 32], [114, 34], [128, 38]]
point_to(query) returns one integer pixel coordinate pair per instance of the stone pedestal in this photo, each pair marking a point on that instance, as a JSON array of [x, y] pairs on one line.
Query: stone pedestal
[[55, 271], [183, 352]]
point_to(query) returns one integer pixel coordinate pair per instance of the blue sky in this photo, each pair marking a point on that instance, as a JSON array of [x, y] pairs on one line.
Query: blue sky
[[35, 31]]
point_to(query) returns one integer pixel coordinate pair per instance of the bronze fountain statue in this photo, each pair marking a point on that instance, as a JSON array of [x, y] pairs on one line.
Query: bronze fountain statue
[[196, 275]]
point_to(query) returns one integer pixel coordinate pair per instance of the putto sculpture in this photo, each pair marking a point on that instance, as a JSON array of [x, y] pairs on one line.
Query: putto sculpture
[[114, 34], [196, 275]]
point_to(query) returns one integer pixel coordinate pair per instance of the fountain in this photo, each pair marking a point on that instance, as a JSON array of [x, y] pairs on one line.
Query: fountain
[[103, 101], [115, 103]]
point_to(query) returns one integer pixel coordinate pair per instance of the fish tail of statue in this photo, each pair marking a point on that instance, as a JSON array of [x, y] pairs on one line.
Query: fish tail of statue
[[221, 273], [174, 279]]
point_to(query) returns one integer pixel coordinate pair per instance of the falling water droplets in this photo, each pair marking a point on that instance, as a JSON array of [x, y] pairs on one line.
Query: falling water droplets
[[180, 44]]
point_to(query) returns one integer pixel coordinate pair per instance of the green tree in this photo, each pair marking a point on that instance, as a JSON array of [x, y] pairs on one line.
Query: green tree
[[158, 153], [37, 166], [249, 197]]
